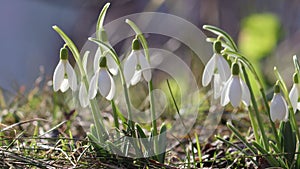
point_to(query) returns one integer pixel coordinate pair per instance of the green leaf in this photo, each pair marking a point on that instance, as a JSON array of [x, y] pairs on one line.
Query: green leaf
[[143, 139], [102, 17], [94, 142], [271, 159], [162, 143], [289, 141], [241, 138], [114, 148]]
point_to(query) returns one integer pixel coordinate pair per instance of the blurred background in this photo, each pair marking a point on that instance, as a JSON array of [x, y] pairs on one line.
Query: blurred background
[[267, 32]]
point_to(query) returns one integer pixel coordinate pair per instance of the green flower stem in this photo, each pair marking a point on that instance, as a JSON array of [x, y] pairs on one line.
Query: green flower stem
[[115, 115], [140, 36], [259, 121], [116, 58], [99, 27], [290, 107], [93, 104]]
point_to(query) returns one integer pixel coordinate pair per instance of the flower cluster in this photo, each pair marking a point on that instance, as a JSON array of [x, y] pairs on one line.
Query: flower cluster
[[105, 67], [228, 85], [231, 87], [218, 68]]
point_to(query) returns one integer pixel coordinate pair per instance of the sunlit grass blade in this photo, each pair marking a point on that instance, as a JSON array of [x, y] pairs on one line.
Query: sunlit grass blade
[[241, 138], [198, 150], [238, 148]]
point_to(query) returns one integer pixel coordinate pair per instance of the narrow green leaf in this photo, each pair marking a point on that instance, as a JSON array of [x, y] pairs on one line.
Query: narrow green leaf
[[102, 17], [162, 143], [241, 138], [114, 148], [271, 158], [237, 147], [289, 141], [94, 142], [143, 139], [199, 150]]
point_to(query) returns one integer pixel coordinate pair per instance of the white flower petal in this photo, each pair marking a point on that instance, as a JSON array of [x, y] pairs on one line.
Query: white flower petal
[[145, 67], [298, 106], [278, 108], [245, 93], [71, 76], [104, 83], [85, 60], [217, 86], [224, 96], [112, 91], [294, 95], [112, 65], [235, 91], [130, 66], [209, 70], [223, 68], [58, 76], [97, 59], [94, 85], [83, 96], [136, 77], [64, 85]]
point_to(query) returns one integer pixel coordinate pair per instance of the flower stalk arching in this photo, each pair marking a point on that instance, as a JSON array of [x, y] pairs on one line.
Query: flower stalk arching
[[229, 42], [247, 63], [93, 104], [221, 33], [290, 107], [144, 43], [126, 93]]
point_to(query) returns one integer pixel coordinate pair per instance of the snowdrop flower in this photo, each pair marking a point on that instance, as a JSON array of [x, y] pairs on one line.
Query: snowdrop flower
[[217, 62], [294, 93], [278, 107], [111, 64], [83, 95], [136, 66], [235, 89], [64, 76], [102, 81]]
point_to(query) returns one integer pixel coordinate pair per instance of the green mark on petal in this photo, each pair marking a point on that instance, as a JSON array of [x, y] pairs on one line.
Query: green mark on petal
[[235, 69], [295, 78], [217, 47], [102, 62], [277, 87], [64, 53], [136, 44]]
